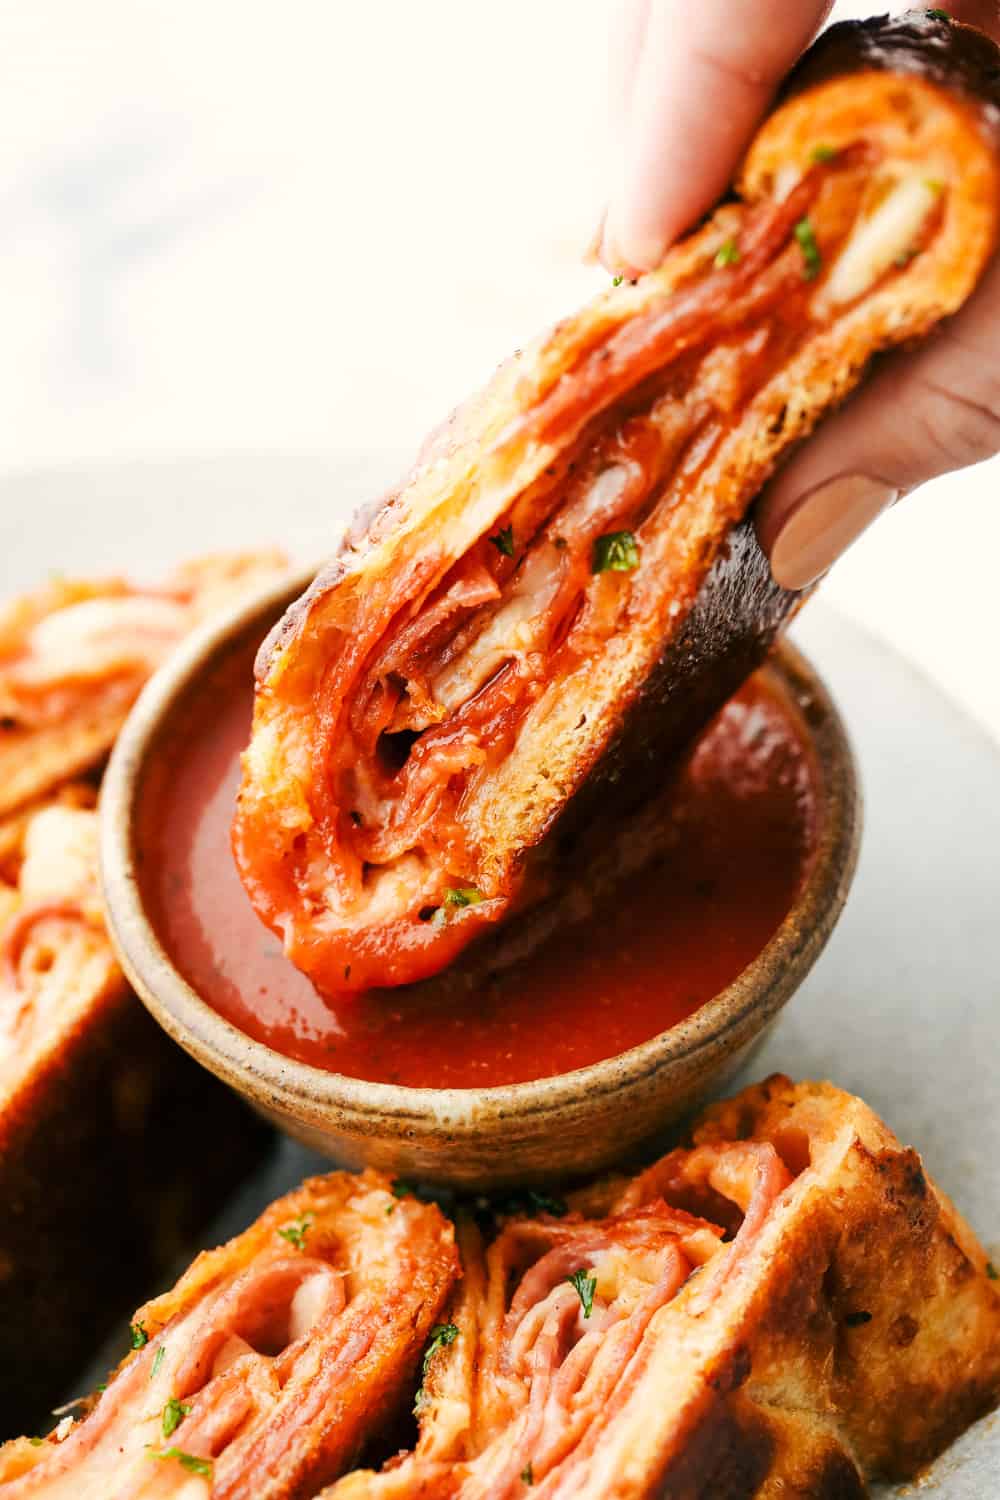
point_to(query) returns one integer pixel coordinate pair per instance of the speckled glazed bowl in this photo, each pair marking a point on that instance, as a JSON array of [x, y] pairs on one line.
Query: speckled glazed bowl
[[558, 1127]]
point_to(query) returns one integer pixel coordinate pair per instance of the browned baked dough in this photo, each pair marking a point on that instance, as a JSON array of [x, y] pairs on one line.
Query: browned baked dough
[[114, 1146], [269, 1365], [847, 1327], [562, 589]]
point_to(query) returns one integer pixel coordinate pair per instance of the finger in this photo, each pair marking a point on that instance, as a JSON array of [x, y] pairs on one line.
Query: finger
[[705, 74], [921, 415], [624, 48]]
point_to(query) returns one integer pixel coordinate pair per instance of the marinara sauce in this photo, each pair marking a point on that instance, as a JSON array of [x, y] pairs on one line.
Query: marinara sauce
[[733, 837]]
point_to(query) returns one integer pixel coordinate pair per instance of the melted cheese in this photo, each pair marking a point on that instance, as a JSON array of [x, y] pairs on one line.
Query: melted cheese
[[60, 857], [518, 626], [521, 624], [881, 240], [308, 1305], [102, 636]]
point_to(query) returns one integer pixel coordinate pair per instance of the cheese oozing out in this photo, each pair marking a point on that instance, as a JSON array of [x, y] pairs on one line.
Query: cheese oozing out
[[883, 240]]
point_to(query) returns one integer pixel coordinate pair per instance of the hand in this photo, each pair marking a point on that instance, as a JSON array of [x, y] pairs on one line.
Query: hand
[[690, 83]]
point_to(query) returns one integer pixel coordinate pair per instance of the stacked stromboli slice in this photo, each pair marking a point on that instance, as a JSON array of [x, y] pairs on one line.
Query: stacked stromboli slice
[[783, 1306], [566, 587], [90, 1090]]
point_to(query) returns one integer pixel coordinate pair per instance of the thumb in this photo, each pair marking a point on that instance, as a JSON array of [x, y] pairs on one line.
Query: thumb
[[919, 416]]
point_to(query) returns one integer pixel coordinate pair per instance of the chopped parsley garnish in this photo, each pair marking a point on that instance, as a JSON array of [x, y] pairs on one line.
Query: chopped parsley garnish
[[728, 254], [138, 1337], [189, 1461], [527, 1476], [905, 256], [531, 1201], [401, 1189], [442, 1334], [545, 1203], [157, 1361], [295, 1232], [616, 552], [992, 1271], [934, 184], [173, 1415], [503, 540], [36, 1442], [457, 896], [823, 153], [939, 15], [585, 1286], [617, 280], [102, 1387], [806, 238], [463, 895]]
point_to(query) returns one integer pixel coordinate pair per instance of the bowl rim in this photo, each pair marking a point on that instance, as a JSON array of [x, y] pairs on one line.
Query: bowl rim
[[309, 1093]]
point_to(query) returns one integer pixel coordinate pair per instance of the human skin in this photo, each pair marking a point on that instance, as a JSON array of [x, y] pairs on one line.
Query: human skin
[[707, 73]]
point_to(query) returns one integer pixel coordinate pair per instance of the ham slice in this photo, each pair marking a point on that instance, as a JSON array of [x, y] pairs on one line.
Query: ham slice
[[566, 586]]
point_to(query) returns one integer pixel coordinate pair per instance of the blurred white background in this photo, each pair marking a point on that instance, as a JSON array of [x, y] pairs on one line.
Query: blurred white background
[[250, 228]]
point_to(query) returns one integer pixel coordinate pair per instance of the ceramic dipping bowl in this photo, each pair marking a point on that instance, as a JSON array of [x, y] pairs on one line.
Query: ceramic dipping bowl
[[474, 1138]]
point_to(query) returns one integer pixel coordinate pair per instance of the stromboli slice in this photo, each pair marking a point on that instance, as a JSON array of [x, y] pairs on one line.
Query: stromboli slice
[[562, 588], [114, 1145], [75, 653], [269, 1365], [89, 1085], [846, 1326]]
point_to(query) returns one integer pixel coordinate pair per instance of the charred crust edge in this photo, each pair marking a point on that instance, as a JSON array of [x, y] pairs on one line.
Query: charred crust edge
[[960, 58]]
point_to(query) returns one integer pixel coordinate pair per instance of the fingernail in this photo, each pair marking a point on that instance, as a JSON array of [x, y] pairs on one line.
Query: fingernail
[[605, 249], [823, 524], [641, 254], [644, 253]]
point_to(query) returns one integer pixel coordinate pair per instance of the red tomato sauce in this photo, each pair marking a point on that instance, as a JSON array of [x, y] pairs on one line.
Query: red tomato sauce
[[738, 833]]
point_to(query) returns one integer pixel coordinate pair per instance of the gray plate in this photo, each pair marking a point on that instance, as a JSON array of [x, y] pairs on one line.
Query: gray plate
[[904, 1006]]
